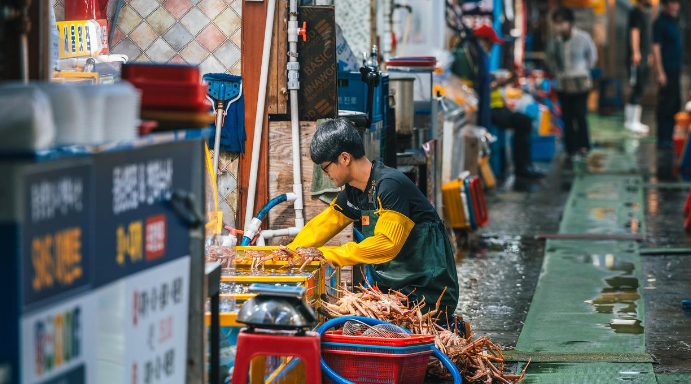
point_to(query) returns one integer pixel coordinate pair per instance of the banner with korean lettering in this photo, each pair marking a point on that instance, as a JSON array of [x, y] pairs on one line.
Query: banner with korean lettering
[[156, 324], [137, 227], [57, 242]]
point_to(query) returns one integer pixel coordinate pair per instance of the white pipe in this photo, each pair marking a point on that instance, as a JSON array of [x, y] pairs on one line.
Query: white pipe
[[269, 233], [259, 118], [24, 57], [294, 86], [387, 46]]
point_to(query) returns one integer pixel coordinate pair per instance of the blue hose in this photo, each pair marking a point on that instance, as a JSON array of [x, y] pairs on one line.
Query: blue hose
[[263, 212], [358, 236], [457, 379]]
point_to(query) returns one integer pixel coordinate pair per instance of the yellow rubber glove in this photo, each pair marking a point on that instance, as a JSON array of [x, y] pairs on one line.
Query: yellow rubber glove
[[390, 233], [321, 228]]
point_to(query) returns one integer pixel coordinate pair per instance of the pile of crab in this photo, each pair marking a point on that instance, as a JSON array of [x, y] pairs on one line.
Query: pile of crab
[[301, 256], [478, 360]]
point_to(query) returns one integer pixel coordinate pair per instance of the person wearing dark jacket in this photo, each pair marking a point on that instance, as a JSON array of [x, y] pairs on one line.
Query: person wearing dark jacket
[[667, 50]]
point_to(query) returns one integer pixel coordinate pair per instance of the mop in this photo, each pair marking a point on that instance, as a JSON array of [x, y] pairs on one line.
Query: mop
[[223, 91]]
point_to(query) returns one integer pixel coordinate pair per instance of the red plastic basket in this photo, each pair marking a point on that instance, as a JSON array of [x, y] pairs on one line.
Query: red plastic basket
[[338, 337], [377, 368]]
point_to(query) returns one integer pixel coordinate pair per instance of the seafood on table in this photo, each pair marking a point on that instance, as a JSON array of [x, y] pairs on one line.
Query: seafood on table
[[304, 256], [224, 255], [478, 360]]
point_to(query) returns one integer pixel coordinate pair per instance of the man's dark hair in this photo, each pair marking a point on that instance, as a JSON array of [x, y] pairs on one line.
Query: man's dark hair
[[564, 14], [670, 1], [333, 138]]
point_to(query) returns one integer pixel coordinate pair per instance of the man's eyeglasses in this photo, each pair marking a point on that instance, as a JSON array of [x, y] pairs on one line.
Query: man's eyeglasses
[[324, 169]]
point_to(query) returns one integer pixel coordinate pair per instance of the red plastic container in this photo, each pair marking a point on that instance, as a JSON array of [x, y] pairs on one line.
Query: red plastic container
[[158, 94], [164, 72], [479, 205], [377, 368], [80, 10], [338, 337]]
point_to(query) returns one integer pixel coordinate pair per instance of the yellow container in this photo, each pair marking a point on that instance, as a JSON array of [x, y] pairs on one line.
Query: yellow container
[[545, 127], [455, 204], [487, 173]]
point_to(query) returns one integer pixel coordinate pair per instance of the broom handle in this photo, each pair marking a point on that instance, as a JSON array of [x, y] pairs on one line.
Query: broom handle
[[217, 139]]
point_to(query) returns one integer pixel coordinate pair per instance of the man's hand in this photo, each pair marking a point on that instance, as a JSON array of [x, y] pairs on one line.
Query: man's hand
[[662, 79], [636, 59]]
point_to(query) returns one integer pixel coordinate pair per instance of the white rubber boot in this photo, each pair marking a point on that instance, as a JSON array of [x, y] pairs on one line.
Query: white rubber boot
[[636, 125], [628, 116]]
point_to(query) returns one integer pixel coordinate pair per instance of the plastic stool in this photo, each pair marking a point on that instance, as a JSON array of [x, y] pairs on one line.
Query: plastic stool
[[305, 347]]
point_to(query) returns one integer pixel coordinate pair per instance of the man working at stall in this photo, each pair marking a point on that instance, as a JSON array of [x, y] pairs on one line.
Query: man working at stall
[[405, 246]]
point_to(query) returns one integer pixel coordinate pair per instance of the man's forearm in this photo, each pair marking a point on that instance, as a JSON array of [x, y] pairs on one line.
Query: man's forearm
[[658, 58], [635, 41]]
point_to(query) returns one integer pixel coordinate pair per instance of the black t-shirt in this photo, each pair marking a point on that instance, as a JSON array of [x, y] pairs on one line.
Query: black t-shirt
[[396, 192], [641, 21]]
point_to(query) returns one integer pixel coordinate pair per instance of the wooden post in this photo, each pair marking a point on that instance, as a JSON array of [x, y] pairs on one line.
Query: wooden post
[[253, 22]]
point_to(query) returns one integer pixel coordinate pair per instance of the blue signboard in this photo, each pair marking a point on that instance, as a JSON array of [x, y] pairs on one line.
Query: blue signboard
[[136, 225], [56, 237], [69, 227]]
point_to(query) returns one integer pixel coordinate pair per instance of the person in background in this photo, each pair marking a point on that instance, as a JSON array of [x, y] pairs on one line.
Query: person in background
[[571, 54], [503, 118], [667, 52], [639, 60]]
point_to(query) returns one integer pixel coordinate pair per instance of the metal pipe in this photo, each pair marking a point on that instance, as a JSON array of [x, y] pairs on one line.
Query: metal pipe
[[217, 139], [259, 118]]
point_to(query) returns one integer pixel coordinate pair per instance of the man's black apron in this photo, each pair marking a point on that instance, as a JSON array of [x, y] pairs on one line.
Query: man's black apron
[[424, 266]]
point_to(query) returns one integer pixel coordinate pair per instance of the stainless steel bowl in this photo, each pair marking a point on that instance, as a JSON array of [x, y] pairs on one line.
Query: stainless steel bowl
[[276, 311]]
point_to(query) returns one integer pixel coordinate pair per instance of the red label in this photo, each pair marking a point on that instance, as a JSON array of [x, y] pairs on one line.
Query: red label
[[365, 220], [155, 243], [103, 25]]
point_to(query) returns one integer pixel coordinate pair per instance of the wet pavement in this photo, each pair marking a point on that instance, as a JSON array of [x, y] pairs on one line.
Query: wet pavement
[[499, 269], [500, 264]]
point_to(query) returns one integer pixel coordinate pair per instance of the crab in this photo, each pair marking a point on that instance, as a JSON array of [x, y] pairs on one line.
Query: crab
[[306, 255]]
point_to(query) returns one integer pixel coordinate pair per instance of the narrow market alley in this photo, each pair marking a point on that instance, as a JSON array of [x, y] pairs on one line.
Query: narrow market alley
[[602, 308]]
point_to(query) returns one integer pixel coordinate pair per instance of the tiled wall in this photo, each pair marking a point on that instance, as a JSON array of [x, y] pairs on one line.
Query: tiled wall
[[198, 32]]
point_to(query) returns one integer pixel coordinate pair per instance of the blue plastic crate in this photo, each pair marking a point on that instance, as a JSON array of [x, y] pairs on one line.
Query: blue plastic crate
[[543, 147], [330, 346]]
